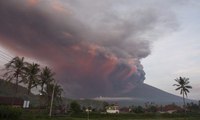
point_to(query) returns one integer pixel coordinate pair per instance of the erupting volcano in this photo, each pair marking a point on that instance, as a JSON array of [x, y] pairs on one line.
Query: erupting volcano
[[95, 49]]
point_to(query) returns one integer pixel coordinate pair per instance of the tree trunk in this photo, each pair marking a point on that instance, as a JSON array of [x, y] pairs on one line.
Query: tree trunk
[[29, 87], [184, 107], [16, 84], [42, 87], [16, 90]]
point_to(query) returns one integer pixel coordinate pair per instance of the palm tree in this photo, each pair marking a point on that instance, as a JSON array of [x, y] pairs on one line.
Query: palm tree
[[46, 77], [15, 71], [32, 76], [183, 87], [47, 93]]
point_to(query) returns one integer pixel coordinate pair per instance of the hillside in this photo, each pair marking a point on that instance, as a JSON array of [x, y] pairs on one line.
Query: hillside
[[149, 93], [8, 90], [145, 93], [138, 96]]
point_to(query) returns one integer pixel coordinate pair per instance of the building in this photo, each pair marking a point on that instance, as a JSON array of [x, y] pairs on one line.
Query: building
[[13, 101], [112, 109], [170, 109]]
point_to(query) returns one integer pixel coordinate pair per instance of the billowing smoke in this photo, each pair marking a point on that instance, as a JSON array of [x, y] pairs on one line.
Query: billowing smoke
[[95, 47]]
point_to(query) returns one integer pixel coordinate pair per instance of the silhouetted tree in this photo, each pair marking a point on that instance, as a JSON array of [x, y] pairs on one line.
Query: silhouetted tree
[[47, 94], [46, 77], [138, 109], [105, 105], [182, 85], [193, 107], [32, 76], [15, 71]]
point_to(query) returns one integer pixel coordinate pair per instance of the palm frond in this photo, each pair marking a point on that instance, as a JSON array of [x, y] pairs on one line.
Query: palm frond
[[190, 87], [176, 85], [182, 84], [185, 93], [178, 88], [186, 90]]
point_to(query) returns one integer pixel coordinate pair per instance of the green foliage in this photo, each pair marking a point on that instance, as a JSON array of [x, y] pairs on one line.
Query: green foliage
[[10, 113], [47, 94], [138, 109], [192, 107], [132, 116], [150, 107], [35, 114], [75, 107]]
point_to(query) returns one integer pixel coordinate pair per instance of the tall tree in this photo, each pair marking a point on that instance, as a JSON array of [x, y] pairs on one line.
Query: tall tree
[[32, 76], [46, 77], [47, 93], [15, 71], [183, 86]]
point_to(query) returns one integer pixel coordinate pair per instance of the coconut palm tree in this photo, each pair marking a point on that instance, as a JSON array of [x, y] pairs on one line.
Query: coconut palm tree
[[182, 85], [15, 71], [46, 77], [47, 93], [32, 76]]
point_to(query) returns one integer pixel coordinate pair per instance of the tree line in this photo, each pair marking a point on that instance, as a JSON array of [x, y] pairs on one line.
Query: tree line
[[32, 75]]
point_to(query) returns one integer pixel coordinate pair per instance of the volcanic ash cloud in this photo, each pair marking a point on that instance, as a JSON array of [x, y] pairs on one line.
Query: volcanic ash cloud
[[95, 47]]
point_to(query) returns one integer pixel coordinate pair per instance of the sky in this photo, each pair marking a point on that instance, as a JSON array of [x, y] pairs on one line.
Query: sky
[[177, 54], [107, 47]]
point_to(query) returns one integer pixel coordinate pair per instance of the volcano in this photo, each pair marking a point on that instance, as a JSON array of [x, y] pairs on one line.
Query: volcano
[[149, 93], [144, 93]]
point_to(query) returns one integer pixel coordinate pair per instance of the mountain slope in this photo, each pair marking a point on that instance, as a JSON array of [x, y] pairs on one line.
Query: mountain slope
[[8, 90], [147, 92]]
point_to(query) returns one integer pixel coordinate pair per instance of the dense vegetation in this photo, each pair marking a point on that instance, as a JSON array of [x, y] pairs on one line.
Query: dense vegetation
[[125, 116], [8, 112], [30, 75], [19, 71]]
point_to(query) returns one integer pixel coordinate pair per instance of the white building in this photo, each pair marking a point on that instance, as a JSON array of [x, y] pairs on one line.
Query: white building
[[112, 109]]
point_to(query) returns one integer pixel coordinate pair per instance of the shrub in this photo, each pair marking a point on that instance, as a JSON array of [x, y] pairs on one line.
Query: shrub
[[75, 107], [10, 113]]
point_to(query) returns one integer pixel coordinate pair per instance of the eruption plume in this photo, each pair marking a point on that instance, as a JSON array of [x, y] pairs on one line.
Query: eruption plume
[[95, 47]]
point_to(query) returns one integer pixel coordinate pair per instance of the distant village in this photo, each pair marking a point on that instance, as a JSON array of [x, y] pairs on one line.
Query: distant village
[[102, 107]]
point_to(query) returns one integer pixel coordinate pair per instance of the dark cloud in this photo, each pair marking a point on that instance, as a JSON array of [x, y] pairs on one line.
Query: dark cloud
[[95, 48]]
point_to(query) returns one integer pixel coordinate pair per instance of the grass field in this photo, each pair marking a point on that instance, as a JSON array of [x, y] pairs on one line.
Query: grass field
[[98, 116], [39, 114], [69, 118]]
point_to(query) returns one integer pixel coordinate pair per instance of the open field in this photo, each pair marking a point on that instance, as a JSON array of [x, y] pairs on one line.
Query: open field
[[70, 118], [116, 117], [9, 113]]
